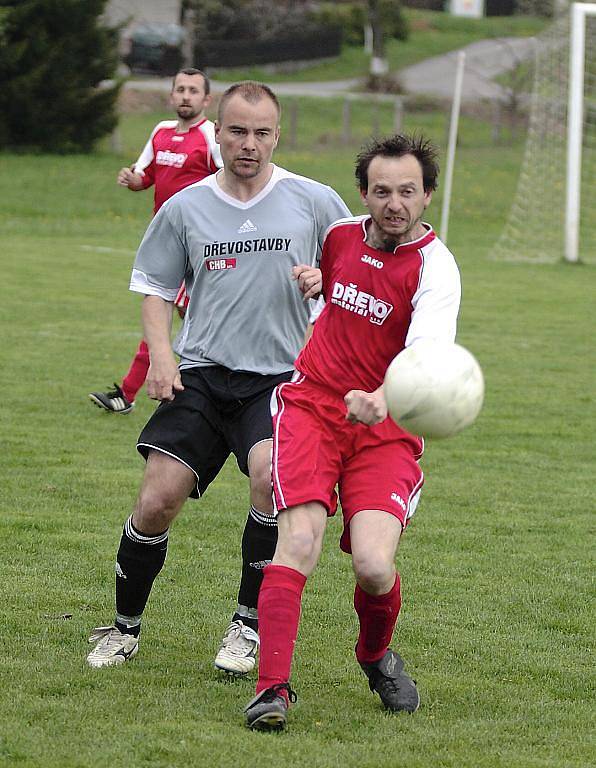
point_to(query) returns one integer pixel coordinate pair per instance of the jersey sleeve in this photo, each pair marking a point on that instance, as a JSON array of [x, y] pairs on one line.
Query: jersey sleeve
[[315, 309], [330, 208], [214, 159], [160, 263], [436, 301], [145, 164]]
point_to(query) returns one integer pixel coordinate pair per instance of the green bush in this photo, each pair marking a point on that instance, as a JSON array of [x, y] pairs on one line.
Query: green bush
[[350, 17], [53, 56], [393, 19]]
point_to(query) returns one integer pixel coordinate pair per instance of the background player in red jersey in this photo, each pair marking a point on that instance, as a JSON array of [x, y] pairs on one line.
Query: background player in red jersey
[[178, 153], [388, 282]]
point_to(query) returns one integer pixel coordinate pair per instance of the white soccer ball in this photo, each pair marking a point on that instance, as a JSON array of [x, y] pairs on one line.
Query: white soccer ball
[[434, 388]]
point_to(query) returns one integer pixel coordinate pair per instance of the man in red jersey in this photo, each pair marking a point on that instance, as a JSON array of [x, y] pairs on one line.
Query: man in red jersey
[[177, 154], [388, 281]]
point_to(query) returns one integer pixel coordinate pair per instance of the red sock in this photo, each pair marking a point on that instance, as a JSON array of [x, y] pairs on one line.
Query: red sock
[[279, 615], [378, 616], [137, 373]]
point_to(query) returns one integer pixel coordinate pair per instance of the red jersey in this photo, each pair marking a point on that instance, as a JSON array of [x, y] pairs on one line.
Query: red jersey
[[376, 304], [173, 160]]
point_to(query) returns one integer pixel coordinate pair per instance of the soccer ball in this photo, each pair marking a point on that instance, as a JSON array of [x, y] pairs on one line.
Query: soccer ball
[[434, 388]]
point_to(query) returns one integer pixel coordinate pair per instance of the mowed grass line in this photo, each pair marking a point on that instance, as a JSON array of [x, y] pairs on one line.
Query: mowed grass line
[[496, 566]]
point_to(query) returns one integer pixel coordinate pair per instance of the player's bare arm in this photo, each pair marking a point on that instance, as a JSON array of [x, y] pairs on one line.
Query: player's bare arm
[[310, 280], [128, 178], [365, 407], [163, 378]]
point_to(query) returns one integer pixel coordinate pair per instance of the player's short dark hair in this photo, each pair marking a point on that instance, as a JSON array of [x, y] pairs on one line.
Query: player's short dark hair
[[193, 71], [398, 146], [252, 92]]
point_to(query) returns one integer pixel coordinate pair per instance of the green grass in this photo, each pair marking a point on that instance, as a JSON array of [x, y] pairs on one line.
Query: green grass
[[497, 623], [431, 33]]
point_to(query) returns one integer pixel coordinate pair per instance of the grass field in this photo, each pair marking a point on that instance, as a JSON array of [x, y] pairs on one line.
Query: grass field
[[497, 567]]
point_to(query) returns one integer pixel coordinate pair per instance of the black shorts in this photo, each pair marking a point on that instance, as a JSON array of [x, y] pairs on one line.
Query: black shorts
[[219, 412]]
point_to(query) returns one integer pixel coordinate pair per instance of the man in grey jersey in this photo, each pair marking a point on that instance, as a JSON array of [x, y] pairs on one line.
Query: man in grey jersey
[[237, 238]]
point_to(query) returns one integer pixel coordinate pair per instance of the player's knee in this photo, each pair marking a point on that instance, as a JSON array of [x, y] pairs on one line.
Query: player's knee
[[298, 549], [155, 509], [260, 488], [374, 575]]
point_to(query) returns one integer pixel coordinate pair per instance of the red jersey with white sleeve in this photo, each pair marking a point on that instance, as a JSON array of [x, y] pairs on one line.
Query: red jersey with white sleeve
[[173, 160], [376, 304]]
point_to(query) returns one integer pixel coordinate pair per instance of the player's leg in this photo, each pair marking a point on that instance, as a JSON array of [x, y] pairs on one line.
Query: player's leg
[[166, 485], [306, 462], [377, 599], [301, 531], [184, 450], [121, 399], [137, 373], [389, 476], [237, 653], [248, 431]]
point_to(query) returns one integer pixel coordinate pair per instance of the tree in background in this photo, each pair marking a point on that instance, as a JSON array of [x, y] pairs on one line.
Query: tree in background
[[385, 20], [53, 56]]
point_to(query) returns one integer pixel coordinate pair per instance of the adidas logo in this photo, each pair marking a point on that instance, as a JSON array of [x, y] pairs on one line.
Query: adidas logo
[[119, 572], [248, 226]]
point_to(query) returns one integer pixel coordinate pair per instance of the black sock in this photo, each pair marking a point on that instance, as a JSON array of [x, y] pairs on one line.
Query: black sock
[[140, 558], [258, 547]]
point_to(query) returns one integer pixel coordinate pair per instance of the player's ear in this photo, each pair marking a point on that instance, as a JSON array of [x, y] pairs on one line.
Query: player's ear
[[217, 131], [428, 196], [276, 139], [364, 196]]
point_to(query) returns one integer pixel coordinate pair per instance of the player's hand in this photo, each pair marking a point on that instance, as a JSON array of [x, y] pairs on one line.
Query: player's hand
[[163, 379], [130, 179], [310, 280], [365, 407], [125, 177]]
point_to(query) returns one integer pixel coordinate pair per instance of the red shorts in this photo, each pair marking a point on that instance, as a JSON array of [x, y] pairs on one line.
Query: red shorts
[[316, 449]]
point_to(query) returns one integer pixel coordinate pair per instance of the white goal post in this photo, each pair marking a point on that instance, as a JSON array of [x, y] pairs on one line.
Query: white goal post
[[553, 210], [575, 119]]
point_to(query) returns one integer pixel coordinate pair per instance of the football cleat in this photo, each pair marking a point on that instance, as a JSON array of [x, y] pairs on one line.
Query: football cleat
[[397, 690], [113, 647], [267, 711], [238, 650], [112, 401]]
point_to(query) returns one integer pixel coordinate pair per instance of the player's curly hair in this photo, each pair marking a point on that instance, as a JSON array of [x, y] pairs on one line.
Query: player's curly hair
[[398, 146]]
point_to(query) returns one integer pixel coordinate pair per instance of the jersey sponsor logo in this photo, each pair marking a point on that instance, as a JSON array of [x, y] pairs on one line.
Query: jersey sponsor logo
[[396, 497], [373, 262], [361, 303], [248, 226], [215, 264], [247, 246], [174, 159]]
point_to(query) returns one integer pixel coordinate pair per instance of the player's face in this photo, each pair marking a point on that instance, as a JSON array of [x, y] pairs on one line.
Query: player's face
[[395, 199], [188, 96], [247, 135]]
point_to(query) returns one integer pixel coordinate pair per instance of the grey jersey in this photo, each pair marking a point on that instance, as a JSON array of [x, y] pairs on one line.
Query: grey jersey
[[245, 311]]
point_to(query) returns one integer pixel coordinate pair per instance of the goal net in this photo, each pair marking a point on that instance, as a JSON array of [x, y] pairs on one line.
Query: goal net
[[549, 209]]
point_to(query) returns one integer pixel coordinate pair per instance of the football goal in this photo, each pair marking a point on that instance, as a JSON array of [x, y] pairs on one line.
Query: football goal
[[553, 214]]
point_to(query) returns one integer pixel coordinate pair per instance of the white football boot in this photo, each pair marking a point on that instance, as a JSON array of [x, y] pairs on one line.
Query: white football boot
[[238, 651], [113, 647]]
